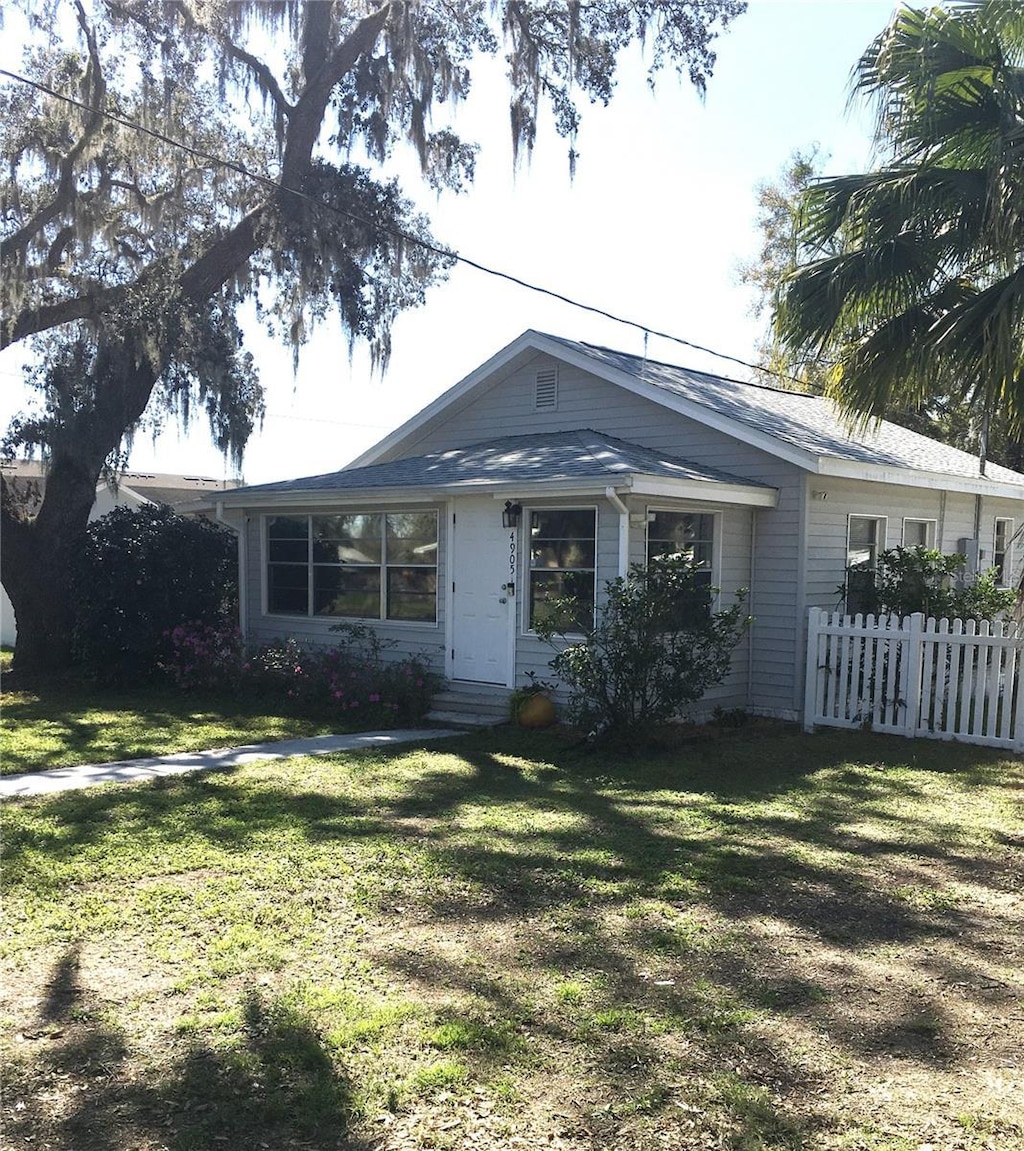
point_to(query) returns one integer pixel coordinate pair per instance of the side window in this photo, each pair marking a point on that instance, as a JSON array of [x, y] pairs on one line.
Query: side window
[[563, 563], [865, 539], [1002, 552], [918, 533]]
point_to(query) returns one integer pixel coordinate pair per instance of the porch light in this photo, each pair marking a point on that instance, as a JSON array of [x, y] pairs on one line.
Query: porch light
[[511, 514]]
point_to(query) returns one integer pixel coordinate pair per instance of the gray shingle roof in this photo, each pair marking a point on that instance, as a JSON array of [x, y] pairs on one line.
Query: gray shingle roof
[[548, 456], [804, 421]]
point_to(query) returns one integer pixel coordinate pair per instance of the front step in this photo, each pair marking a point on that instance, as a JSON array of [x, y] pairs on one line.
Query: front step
[[470, 705]]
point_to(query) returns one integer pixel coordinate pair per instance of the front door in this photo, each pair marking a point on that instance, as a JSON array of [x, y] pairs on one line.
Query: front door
[[482, 609]]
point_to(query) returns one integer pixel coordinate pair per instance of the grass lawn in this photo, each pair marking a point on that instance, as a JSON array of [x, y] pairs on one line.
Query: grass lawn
[[761, 940], [74, 722]]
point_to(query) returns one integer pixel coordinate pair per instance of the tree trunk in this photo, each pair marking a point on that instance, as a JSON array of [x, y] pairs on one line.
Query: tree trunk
[[35, 565], [38, 553]]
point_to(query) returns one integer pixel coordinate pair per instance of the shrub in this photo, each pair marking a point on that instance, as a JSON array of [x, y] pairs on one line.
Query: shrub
[[351, 679], [920, 579], [204, 656], [138, 576], [656, 647]]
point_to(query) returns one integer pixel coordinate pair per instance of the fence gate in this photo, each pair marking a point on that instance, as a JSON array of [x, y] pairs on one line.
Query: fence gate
[[939, 679]]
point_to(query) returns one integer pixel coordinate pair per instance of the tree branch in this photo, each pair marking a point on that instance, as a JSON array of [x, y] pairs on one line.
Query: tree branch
[[13, 248]]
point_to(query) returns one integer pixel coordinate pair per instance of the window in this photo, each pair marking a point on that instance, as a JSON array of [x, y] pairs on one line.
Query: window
[[689, 536], [865, 539], [563, 558], [918, 533], [1002, 557], [362, 565]]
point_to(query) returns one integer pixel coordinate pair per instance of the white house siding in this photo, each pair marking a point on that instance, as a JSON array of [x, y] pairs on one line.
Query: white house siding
[[954, 514], [423, 641], [733, 545]]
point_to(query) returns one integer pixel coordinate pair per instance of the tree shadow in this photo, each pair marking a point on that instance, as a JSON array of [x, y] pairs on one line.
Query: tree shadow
[[278, 1085]]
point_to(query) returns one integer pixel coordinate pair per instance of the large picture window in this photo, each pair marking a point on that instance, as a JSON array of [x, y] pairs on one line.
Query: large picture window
[[563, 565], [358, 565]]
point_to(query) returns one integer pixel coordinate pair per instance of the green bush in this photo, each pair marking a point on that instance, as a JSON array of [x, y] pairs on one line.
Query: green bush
[[655, 647], [919, 579], [139, 575]]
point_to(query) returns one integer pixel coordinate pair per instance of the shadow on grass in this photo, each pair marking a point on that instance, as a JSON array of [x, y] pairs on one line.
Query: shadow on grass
[[597, 866], [276, 1086]]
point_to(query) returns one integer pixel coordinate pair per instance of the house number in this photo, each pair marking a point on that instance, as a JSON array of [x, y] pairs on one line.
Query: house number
[[512, 562]]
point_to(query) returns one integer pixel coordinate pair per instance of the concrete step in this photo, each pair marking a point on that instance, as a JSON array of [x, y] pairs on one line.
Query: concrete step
[[471, 705]]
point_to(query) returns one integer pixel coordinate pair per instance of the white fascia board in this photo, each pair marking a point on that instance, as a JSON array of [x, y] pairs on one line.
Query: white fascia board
[[707, 490], [499, 360], [317, 497], [912, 478]]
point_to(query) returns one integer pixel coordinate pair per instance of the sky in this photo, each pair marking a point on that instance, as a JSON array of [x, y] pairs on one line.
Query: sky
[[661, 212]]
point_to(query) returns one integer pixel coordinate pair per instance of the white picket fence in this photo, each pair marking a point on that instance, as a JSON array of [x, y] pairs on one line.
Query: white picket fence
[[937, 679]]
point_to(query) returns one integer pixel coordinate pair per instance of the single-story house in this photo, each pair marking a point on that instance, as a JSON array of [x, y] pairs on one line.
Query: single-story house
[[187, 495], [608, 459]]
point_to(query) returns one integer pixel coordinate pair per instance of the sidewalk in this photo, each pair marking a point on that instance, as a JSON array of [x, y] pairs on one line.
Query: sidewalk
[[122, 771]]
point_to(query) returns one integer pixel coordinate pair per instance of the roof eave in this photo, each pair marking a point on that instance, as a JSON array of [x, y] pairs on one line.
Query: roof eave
[[707, 490], [915, 478]]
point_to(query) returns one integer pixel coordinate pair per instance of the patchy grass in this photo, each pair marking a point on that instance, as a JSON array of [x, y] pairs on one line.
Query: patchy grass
[[760, 942], [72, 722]]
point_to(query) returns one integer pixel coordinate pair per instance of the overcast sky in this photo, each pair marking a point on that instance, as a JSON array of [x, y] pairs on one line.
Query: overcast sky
[[652, 229]]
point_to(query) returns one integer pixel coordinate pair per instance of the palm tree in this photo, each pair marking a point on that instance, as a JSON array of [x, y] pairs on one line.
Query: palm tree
[[924, 297]]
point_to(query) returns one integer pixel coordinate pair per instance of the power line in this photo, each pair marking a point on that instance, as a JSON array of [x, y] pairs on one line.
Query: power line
[[398, 233]]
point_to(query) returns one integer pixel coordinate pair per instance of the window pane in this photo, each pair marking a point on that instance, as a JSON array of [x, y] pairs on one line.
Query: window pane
[[863, 541], [287, 589], [288, 528], [683, 535], [557, 524], [412, 537], [549, 586], [353, 539], [288, 551], [412, 593], [352, 592], [563, 554], [915, 534]]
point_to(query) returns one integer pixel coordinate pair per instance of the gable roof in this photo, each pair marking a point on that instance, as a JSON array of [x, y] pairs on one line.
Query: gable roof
[[579, 461], [805, 429]]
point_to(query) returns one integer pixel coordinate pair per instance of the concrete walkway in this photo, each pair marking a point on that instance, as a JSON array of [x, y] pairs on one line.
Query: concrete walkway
[[122, 771]]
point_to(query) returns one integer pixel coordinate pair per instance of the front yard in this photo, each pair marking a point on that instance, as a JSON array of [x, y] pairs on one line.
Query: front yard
[[760, 940]]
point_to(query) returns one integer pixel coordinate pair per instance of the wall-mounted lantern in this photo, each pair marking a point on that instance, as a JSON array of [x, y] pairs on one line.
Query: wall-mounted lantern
[[511, 515]]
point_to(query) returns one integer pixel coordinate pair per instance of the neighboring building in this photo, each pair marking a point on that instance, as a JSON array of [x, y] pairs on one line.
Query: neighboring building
[[187, 495], [611, 459]]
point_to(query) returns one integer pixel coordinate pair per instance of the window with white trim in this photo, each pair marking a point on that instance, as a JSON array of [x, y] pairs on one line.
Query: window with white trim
[[563, 564], [355, 565], [1002, 551], [686, 536], [918, 533], [865, 540]]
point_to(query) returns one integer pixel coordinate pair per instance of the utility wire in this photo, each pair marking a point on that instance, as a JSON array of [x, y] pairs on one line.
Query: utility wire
[[399, 233]]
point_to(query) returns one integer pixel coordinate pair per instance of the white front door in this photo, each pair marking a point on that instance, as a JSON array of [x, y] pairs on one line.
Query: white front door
[[483, 612]]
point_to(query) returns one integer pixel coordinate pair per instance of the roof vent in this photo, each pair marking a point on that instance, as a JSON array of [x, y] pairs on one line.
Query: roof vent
[[546, 394]]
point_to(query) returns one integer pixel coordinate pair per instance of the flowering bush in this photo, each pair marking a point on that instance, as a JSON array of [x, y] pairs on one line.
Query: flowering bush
[[203, 655], [351, 680]]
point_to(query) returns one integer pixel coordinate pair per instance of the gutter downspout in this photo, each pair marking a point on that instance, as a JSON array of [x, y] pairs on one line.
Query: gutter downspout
[[613, 497]]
